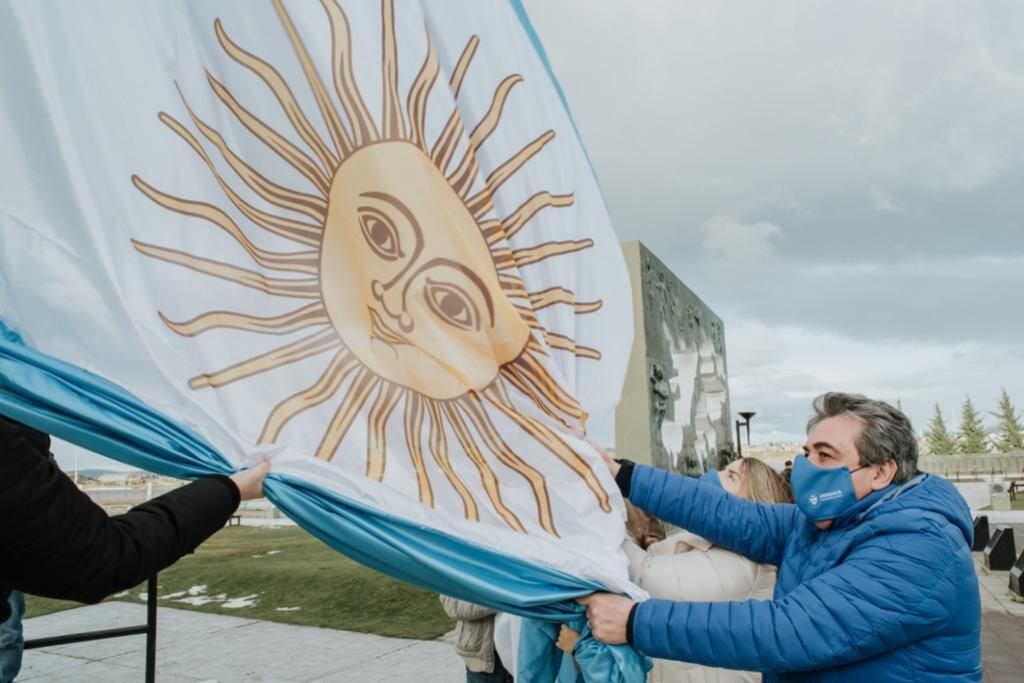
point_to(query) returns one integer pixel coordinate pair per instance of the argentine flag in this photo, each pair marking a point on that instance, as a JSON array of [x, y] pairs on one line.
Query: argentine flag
[[360, 239]]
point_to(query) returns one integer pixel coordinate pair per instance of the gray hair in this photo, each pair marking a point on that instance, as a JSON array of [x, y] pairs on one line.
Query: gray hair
[[886, 433]]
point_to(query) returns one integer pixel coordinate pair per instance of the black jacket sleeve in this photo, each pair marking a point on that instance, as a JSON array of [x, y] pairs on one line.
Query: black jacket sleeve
[[56, 542]]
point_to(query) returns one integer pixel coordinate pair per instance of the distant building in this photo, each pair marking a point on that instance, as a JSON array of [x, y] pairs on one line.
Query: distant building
[[119, 479]]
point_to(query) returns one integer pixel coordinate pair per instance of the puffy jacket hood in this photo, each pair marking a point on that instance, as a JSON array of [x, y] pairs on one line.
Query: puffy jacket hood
[[926, 493]]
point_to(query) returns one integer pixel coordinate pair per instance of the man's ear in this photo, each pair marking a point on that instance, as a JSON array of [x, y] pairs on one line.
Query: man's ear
[[884, 474]]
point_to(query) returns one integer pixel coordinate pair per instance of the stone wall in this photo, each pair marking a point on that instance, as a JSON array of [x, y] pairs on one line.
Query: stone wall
[[982, 464]]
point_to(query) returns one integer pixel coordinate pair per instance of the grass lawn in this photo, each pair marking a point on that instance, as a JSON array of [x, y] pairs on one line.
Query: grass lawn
[[288, 568]]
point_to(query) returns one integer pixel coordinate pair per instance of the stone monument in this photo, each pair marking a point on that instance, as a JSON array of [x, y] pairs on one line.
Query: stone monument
[[999, 496], [674, 411]]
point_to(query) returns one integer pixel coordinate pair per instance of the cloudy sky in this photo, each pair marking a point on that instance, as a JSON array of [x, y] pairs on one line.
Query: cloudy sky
[[842, 182]]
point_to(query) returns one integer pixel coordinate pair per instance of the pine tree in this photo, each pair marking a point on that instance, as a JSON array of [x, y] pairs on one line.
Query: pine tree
[[937, 438], [1011, 434], [972, 437]]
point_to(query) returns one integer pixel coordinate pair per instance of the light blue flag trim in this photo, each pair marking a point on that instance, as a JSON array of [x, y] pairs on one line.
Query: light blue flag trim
[[524, 20], [75, 405], [540, 659]]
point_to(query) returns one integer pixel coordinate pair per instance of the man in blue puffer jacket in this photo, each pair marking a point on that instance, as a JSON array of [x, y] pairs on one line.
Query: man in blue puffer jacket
[[876, 581]]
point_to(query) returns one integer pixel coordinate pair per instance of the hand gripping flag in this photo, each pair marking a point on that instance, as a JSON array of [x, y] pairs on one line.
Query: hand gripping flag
[[360, 239]]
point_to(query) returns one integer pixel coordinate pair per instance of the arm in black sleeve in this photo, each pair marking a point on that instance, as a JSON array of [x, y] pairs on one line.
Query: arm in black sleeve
[[624, 477], [58, 543]]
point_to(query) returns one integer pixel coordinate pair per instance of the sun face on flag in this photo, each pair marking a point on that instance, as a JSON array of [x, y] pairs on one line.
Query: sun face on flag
[[401, 274]]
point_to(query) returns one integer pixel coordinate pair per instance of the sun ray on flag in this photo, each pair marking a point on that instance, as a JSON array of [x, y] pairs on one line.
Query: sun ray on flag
[[528, 209], [364, 128], [304, 288], [487, 475], [362, 388], [312, 345], [311, 315], [530, 255], [419, 93], [560, 295], [466, 172], [311, 206], [324, 388], [439, 451], [284, 95], [414, 418], [295, 262], [477, 414], [289, 152], [444, 147], [480, 203]]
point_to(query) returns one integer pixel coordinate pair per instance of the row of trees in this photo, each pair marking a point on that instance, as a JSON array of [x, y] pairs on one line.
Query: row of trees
[[972, 437]]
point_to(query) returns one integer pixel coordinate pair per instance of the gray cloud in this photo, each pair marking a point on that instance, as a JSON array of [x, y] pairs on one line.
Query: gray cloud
[[845, 179], [777, 369], [728, 241]]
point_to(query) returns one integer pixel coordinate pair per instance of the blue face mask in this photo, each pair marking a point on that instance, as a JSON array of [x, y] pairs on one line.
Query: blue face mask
[[710, 477], [822, 492]]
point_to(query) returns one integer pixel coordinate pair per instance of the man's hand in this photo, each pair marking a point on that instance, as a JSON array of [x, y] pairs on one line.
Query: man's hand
[[607, 615], [250, 481]]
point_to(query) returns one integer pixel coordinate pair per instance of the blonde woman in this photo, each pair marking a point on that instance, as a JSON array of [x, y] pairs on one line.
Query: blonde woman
[[685, 566]]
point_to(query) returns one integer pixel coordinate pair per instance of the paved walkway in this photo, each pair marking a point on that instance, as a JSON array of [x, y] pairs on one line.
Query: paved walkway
[[194, 646], [1002, 628]]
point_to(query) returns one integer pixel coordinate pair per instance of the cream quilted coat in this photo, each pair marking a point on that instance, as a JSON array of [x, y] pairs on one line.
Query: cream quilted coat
[[685, 566]]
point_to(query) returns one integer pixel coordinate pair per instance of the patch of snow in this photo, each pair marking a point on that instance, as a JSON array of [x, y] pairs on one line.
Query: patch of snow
[[197, 600], [287, 609], [120, 595], [171, 596], [197, 590], [239, 603], [143, 596]]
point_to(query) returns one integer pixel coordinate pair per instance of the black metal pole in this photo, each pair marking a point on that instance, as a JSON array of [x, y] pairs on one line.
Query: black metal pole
[[151, 630], [53, 641], [739, 444]]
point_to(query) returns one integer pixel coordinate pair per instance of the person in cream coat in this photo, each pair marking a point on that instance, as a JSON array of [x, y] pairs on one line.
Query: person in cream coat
[[684, 566]]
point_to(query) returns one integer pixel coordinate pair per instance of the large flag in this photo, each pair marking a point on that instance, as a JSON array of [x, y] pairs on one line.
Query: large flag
[[361, 239]]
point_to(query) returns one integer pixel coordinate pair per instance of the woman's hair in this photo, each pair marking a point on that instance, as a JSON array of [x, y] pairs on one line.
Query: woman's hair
[[763, 484]]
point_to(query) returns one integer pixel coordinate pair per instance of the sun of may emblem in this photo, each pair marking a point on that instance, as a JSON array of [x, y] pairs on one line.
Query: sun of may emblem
[[402, 276]]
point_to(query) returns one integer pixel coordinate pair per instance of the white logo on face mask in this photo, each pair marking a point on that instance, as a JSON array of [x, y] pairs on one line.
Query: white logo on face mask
[[815, 498]]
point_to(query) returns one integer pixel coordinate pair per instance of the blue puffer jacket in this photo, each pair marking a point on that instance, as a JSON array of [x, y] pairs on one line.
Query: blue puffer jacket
[[888, 594]]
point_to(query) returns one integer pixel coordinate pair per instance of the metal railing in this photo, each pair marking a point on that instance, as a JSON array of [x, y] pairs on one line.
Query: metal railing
[[148, 629]]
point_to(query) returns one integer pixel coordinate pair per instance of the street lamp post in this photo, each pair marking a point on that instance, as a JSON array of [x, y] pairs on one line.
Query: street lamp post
[[745, 422]]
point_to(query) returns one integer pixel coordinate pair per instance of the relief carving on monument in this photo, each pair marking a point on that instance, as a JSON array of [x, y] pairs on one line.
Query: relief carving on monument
[[686, 378]]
